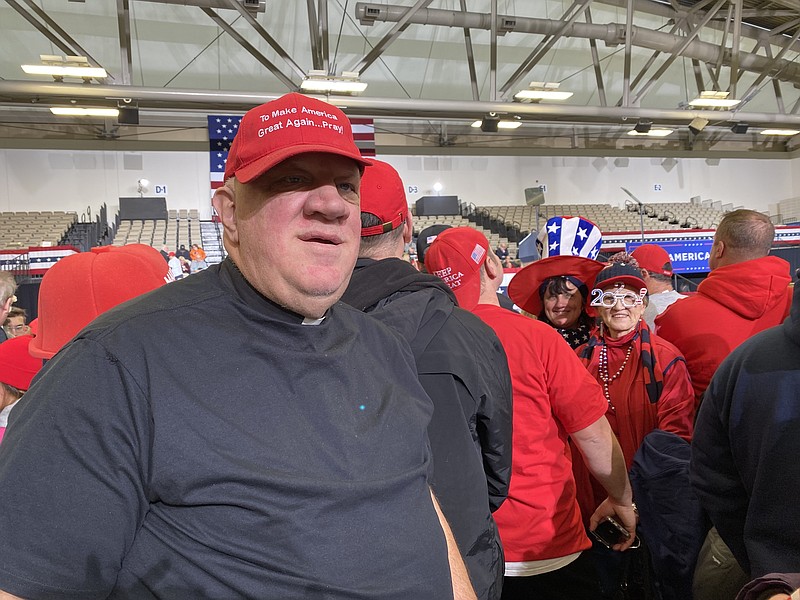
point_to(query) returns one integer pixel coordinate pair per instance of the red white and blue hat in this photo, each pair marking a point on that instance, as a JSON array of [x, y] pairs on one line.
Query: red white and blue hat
[[570, 236], [569, 246]]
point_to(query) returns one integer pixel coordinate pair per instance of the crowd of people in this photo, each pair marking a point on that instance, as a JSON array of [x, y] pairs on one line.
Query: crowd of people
[[183, 262], [356, 428]]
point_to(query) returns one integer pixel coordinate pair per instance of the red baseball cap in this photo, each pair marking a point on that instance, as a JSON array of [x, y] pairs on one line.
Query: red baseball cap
[[79, 287], [653, 258], [383, 195], [291, 125], [17, 366], [456, 256]]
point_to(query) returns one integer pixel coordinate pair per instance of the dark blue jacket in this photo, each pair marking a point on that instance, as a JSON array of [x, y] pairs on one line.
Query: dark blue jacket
[[671, 521], [746, 449]]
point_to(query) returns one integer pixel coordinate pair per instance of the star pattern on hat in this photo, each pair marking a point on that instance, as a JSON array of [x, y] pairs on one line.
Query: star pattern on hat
[[582, 233], [554, 245], [553, 227]]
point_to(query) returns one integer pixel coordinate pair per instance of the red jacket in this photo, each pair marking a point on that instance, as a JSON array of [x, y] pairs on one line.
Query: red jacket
[[634, 413], [733, 303]]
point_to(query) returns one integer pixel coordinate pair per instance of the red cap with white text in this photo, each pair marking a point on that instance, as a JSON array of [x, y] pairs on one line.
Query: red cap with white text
[[291, 125], [456, 256]]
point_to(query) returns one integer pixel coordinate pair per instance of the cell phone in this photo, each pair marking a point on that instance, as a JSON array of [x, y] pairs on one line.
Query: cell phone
[[609, 533]]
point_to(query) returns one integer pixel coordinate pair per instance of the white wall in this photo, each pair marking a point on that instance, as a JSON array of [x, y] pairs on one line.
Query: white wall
[[73, 180]]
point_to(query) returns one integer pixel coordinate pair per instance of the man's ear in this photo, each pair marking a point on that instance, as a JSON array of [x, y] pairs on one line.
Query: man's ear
[[718, 249], [224, 202], [408, 229], [493, 266]]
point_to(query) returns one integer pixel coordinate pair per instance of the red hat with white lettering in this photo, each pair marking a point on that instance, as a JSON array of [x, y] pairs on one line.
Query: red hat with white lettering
[[291, 125], [383, 195], [456, 256]]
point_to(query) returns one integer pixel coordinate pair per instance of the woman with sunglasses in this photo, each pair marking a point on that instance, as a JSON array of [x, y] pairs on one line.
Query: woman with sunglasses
[[644, 377]]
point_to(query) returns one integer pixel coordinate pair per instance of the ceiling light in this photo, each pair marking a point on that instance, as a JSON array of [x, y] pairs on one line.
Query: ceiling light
[[539, 90], [320, 81], [65, 66], [779, 132], [652, 132], [710, 99], [501, 124], [75, 111]]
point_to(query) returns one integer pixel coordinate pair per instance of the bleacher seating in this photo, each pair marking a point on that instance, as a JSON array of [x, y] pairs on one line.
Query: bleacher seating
[[181, 228], [661, 216], [421, 223], [34, 228]]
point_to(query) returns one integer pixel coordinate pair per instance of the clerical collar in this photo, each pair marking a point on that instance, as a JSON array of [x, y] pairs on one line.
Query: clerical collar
[[258, 301]]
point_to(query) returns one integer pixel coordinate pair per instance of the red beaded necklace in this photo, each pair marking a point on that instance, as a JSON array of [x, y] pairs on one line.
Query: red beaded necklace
[[602, 370]]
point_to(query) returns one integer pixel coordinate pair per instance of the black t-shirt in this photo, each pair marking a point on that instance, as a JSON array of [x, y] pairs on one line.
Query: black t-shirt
[[200, 442]]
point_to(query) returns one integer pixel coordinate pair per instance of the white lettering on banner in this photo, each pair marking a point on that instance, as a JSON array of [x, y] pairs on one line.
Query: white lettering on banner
[[319, 113], [689, 256]]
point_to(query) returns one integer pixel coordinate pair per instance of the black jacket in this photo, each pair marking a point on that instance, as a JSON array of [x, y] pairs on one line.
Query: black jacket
[[463, 368], [745, 450]]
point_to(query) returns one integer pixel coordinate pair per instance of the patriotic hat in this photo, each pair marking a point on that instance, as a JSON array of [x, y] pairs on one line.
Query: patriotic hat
[[568, 246], [291, 125], [456, 256], [569, 236]]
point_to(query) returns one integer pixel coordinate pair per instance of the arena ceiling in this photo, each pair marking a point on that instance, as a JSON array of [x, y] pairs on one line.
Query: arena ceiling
[[432, 68]]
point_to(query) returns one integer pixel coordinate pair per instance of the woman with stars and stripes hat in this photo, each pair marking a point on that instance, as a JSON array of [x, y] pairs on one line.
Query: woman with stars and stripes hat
[[556, 288]]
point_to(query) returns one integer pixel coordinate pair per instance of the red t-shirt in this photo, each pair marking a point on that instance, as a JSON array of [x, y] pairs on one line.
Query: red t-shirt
[[554, 396]]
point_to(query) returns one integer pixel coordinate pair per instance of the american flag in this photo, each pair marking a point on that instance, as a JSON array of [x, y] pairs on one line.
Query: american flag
[[364, 135], [221, 129]]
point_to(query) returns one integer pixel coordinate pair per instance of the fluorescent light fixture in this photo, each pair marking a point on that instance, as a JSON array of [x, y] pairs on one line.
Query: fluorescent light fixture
[[56, 71], [710, 99], [76, 111], [65, 66], [539, 90], [652, 132], [502, 124], [779, 132], [320, 81]]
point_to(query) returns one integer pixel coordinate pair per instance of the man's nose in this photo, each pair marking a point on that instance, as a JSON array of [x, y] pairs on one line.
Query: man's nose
[[327, 201]]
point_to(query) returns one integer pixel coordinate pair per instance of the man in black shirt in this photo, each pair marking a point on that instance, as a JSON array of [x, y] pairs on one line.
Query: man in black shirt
[[460, 363], [291, 463]]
